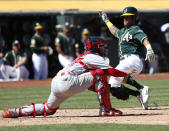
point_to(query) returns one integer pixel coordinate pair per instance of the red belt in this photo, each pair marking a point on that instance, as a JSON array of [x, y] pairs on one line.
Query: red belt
[[64, 73]]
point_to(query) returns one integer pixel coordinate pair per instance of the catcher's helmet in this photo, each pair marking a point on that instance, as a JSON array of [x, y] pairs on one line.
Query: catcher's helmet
[[130, 11], [96, 44]]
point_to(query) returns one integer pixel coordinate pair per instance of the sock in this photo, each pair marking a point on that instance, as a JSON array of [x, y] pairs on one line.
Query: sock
[[132, 92], [134, 83]]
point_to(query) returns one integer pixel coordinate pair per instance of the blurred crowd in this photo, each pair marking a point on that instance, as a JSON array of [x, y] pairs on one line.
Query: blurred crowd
[[34, 57], [36, 54]]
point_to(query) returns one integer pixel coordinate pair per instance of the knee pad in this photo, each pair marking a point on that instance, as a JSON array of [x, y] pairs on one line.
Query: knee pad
[[48, 110]]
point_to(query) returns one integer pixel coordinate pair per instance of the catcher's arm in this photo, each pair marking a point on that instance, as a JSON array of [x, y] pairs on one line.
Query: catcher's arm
[[105, 18]]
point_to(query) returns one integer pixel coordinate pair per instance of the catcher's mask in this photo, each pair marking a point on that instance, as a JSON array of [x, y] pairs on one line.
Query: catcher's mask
[[96, 44]]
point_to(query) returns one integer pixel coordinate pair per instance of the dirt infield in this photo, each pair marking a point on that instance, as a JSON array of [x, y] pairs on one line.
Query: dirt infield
[[39, 83], [154, 116]]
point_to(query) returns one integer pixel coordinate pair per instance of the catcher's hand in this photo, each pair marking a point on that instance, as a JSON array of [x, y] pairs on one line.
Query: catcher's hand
[[150, 55], [103, 15]]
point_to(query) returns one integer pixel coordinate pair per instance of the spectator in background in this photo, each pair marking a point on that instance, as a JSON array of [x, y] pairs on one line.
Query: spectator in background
[[12, 66], [165, 30], [64, 46], [40, 50], [80, 45], [2, 46]]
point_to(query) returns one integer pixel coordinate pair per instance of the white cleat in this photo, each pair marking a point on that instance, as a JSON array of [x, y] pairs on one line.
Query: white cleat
[[143, 97]]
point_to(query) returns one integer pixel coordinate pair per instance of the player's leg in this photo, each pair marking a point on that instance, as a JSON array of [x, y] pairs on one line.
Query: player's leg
[[36, 60], [23, 74], [6, 74], [47, 108], [132, 62], [102, 89], [61, 89], [44, 67], [33, 109]]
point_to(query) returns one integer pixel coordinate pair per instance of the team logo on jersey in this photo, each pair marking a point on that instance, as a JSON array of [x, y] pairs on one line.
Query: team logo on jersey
[[127, 37]]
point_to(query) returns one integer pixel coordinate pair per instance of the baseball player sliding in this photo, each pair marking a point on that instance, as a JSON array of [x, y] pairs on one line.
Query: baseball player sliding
[[131, 39], [90, 69]]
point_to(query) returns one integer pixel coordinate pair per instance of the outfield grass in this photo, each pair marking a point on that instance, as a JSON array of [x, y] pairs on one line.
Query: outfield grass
[[15, 97], [87, 127]]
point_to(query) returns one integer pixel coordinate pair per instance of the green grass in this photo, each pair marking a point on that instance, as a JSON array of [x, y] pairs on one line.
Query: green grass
[[87, 127], [16, 97], [159, 96]]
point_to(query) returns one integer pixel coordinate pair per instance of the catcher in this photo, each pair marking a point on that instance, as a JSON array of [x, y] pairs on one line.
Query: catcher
[[90, 69], [131, 39]]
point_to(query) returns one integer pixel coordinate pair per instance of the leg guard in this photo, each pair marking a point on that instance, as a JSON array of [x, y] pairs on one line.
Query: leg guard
[[101, 87], [33, 110]]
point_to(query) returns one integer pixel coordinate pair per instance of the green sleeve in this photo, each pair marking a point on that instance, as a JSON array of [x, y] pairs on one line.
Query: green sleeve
[[5, 60], [57, 41], [117, 34], [34, 46], [141, 36]]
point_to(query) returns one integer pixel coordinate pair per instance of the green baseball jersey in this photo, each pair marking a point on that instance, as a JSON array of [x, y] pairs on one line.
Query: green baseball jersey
[[37, 42], [130, 40], [11, 58], [63, 41]]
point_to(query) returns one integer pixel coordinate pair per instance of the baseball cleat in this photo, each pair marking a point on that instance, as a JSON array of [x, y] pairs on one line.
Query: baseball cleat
[[7, 113], [112, 112], [143, 97]]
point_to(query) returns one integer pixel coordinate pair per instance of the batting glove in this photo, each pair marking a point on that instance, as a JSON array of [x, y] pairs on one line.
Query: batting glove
[[150, 55], [103, 15]]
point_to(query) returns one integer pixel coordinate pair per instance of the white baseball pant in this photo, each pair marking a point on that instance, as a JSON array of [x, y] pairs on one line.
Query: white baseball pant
[[40, 65], [21, 73], [64, 61], [131, 61]]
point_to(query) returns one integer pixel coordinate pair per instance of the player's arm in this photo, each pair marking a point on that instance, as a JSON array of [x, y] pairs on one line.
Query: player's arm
[[4, 61], [150, 53], [113, 29], [58, 47], [37, 49], [22, 62], [118, 73]]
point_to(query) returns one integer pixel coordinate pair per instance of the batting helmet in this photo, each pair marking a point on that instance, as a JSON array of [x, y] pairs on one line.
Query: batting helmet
[[96, 44], [130, 11]]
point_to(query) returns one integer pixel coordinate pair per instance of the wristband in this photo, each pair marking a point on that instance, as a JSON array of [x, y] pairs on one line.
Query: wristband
[[108, 23], [148, 46]]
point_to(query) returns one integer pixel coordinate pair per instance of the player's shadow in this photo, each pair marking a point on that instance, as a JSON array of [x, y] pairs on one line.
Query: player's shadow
[[158, 108], [153, 114], [143, 114]]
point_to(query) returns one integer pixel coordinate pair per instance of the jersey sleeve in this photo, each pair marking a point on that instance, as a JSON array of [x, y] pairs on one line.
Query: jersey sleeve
[[34, 46], [5, 60], [117, 34], [33, 43], [97, 62], [141, 36], [57, 41]]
